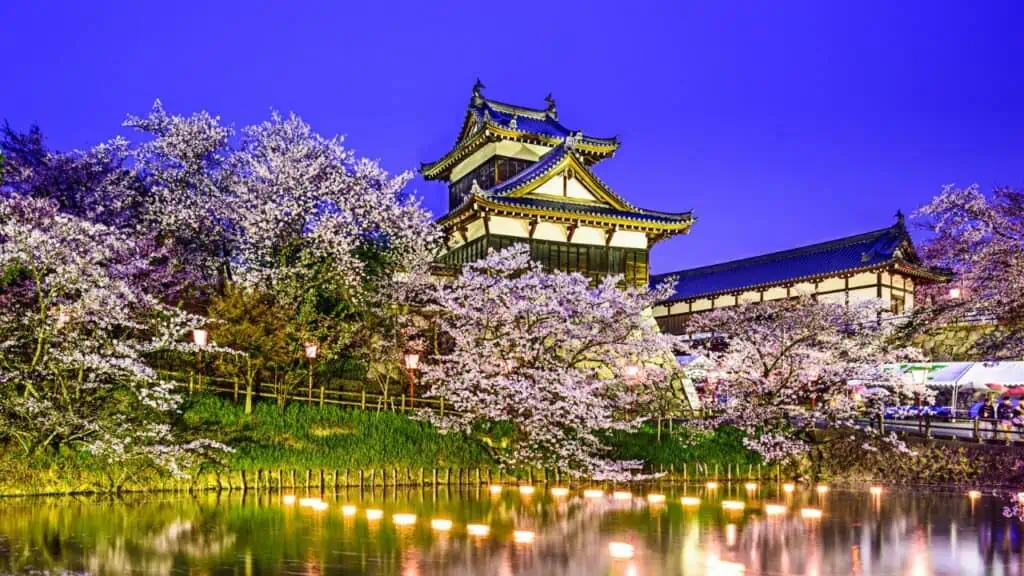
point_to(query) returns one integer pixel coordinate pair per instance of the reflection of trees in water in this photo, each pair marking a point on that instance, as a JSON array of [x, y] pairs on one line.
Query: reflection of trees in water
[[897, 534], [104, 535]]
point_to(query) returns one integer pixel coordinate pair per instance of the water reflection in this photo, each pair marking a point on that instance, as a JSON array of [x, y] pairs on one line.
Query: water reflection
[[729, 529]]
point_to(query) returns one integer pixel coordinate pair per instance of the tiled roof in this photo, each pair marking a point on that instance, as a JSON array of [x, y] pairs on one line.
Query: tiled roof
[[528, 120], [539, 168], [866, 250], [591, 209]]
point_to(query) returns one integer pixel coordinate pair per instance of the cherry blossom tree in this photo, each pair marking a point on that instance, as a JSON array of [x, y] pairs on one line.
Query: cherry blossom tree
[[784, 369], [981, 240], [75, 330], [540, 364]]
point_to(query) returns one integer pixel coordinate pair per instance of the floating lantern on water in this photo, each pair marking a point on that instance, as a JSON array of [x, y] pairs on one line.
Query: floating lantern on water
[[655, 498], [559, 491], [621, 550], [403, 519], [441, 524], [523, 536], [750, 486], [495, 488], [876, 490], [822, 488], [374, 514], [478, 529], [788, 487], [774, 509], [712, 485], [289, 499], [526, 490], [308, 502], [810, 513], [974, 494], [319, 506], [348, 510], [622, 496], [733, 505], [593, 493], [689, 501]]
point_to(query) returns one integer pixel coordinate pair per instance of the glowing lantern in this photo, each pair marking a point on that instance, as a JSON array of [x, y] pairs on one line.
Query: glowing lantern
[[732, 505], [593, 493], [974, 494], [750, 486], [774, 509], [478, 529], [495, 488], [712, 485], [622, 496], [876, 490], [822, 488], [289, 499], [199, 337], [348, 510], [655, 498], [374, 514], [559, 491], [621, 550], [523, 536], [812, 513], [788, 487], [403, 519], [689, 501], [526, 490], [441, 524]]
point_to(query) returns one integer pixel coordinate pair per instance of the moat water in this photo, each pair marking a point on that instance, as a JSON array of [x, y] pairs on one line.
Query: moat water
[[733, 529]]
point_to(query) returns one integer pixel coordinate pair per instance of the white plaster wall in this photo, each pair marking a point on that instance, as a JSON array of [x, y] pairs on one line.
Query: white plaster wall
[[864, 279], [776, 293], [629, 239]]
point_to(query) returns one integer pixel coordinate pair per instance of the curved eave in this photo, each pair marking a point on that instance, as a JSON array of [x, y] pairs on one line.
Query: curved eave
[[894, 265], [654, 224], [597, 149]]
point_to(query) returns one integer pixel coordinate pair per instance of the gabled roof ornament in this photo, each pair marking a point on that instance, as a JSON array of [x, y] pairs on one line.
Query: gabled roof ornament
[[513, 123], [551, 106], [487, 116], [570, 142], [899, 216], [475, 189], [478, 97]]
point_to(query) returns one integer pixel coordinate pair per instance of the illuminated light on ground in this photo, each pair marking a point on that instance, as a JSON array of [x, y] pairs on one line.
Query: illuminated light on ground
[[974, 494], [495, 488], [621, 550], [812, 513], [655, 498], [622, 495], [374, 514], [723, 568], [319, 506], [750, 486], [774, 509], [732, 505], [308, 502], [559, 491], [441, 524], [403, 519], [822, 488], [526, 490], [730, 535], [1020, 496], [348, 510], [478, 529], [788, 487], [712, 485], [523, 537], [289, 499], [689, 501], [876, 490], [593, 493]]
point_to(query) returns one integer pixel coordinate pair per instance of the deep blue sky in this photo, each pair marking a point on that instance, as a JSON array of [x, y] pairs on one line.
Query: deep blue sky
[[777, 126]]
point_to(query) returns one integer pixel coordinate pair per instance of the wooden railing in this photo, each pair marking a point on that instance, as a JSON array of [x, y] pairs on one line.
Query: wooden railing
[[979, 430], [320, 395]]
